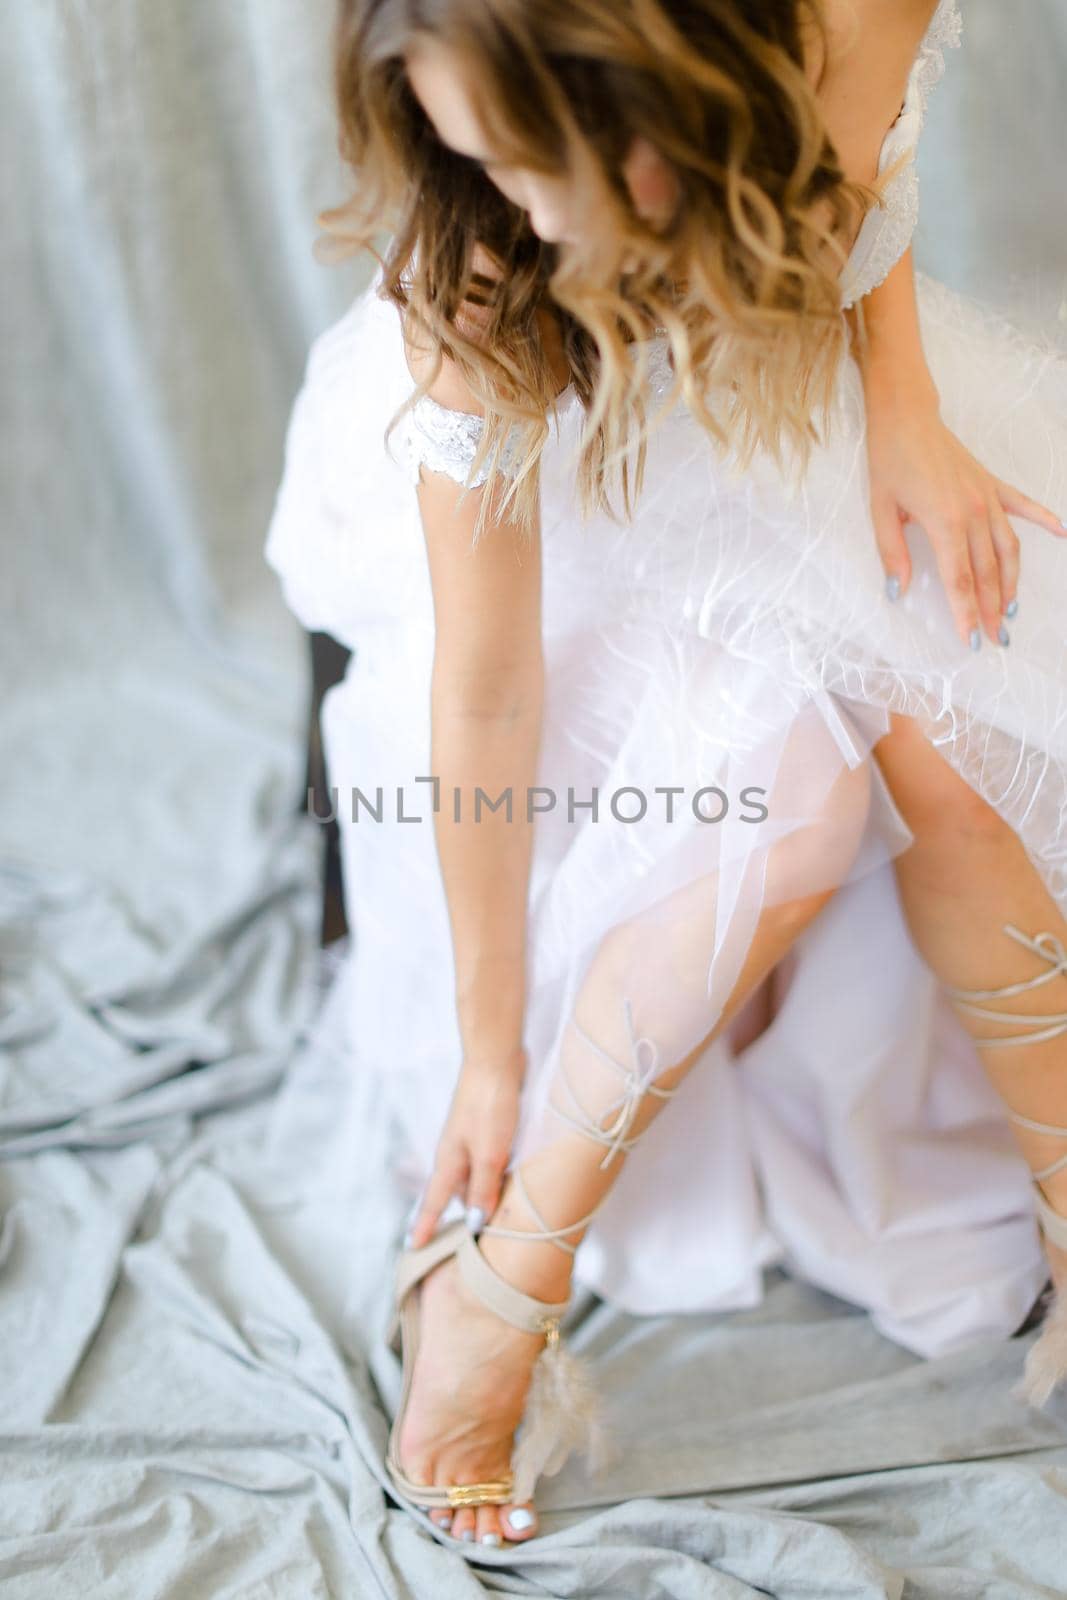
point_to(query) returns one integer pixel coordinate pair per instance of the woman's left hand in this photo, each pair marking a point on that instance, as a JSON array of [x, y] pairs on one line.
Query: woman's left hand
[[920, 472]]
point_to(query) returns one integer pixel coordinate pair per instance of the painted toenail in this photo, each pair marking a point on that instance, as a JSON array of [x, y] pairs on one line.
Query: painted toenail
[[521, 1519], [492, 1538]]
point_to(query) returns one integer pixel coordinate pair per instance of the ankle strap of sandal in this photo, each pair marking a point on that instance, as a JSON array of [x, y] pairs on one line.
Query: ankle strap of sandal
[[521, 1310]]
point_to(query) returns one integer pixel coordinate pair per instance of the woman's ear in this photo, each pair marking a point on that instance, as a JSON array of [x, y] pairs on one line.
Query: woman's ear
[[653, 183]]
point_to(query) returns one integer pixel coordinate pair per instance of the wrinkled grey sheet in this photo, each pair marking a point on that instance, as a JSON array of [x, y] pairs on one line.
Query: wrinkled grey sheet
[[197, 1217], [196, 1394]]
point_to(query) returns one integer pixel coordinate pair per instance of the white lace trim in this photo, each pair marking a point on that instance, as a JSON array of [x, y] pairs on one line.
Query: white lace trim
[[442, 440], [887, 231], [945, 30]]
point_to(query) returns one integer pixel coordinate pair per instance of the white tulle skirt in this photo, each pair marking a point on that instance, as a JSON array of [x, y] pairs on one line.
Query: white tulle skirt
[[717, 672]]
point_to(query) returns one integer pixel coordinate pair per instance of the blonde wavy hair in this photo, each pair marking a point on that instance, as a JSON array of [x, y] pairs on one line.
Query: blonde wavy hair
[[743, 280]]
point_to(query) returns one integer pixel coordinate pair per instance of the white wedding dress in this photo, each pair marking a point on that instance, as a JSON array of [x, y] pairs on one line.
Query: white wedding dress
[[733, 636]]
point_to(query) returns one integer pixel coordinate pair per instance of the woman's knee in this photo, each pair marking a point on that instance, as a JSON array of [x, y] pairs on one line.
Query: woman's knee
[[670, 943], [938, 804]]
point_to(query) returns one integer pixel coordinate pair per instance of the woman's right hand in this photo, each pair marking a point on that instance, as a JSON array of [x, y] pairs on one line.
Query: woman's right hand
[[475, 1143]]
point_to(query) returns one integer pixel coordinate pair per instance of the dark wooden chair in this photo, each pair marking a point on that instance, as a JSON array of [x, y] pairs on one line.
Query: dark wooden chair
[[328, 662]]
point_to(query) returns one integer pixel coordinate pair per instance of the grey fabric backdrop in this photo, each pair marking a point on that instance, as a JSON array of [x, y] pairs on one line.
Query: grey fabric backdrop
[[994, 163], [197, 1217]]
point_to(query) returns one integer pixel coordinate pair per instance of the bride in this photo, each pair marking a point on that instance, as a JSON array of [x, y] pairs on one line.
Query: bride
[[669, 514]]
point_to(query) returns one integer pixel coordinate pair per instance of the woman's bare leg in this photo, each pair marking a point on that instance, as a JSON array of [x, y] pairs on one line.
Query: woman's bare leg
[[965, 877], [471, 1379]]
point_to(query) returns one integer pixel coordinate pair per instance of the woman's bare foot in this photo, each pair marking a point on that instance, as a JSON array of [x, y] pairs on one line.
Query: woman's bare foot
[[469, 1386]]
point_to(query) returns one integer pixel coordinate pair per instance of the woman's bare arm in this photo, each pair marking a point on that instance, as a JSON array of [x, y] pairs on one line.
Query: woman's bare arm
[[486, 707], [891, 358], [919, 470], [873, 44], [487, 694]]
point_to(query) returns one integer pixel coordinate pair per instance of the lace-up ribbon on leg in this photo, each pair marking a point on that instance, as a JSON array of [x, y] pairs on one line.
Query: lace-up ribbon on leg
[[639, 1082], [1051, 949], [562, 1409], [1046, 1363]]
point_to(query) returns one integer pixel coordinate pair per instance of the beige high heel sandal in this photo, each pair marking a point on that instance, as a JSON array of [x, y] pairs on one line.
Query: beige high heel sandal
[[563, 1411], [1046, 1362]]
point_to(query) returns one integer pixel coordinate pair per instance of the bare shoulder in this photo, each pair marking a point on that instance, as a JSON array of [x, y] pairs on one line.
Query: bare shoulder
[[485, 608], [871, 47], [450, 387], [486, 596]]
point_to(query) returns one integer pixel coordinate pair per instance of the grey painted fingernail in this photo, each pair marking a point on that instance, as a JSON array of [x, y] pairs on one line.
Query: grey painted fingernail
[[408, 1239], [1011, 608], [521, 1519], [443, 1522], [467, 1536], [475, 1218], [492, 1538], [1003, 635], [976, 639], [892, 587]]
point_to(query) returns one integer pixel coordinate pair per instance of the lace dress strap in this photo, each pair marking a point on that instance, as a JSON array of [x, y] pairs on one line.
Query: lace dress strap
[[887, 230], [944, 31], [443, 440]]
